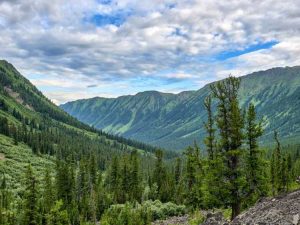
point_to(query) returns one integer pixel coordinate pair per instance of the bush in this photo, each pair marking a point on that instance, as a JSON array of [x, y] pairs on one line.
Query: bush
[[196, 218], [163, 210], [136, 214], [126, 214]]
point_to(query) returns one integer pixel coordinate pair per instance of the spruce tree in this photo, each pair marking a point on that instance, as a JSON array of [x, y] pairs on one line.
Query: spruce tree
[[159, 174], [230, 124], [209, 126], [113, 179], [193, 177], [177, 175], [255, 167], [6, 198], [135, 179], [278, 170], [30, 204], [48, 195]]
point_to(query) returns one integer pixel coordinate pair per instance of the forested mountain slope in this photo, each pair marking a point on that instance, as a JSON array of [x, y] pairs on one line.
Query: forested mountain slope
[[31, 126], [22, 101], [57, 170], [174, 121]]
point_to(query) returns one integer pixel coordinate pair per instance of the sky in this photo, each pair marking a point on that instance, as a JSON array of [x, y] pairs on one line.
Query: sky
[[74, 49]]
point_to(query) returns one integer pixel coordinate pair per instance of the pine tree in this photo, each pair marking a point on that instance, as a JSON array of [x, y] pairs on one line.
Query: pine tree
[[159, 174], [177, 171], [255, 165], [230, 124], [135, 179], [125, 181], [273, 174], [193, 177], [289, 171], [278, 170], [48, 194], [113, 178], [6, 214], [30, 209], [209, 126]]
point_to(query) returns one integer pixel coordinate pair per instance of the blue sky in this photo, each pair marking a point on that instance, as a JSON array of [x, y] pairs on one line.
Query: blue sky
[[118, 47]]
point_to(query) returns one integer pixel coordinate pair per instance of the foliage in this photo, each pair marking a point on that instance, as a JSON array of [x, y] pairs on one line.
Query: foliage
[[196, 218], [141, 213]]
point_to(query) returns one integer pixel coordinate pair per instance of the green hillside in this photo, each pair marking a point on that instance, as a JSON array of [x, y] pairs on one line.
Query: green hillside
[[34, 131], [174, 121]]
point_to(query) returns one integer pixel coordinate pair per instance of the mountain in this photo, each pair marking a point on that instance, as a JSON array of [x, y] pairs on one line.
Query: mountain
[[34, 130], [174, 121]]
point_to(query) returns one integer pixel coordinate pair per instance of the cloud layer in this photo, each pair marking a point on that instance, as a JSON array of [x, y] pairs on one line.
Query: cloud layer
[[78, 49]]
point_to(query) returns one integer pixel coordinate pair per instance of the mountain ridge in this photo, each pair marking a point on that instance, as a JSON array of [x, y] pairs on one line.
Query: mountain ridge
[[174, 121], [24, 100]]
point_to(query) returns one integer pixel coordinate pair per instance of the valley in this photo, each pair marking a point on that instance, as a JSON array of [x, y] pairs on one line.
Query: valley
[[56, 170], [175, 121]]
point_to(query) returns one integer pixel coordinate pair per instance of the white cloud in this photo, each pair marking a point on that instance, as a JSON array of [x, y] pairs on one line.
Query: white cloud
[[52, 39]]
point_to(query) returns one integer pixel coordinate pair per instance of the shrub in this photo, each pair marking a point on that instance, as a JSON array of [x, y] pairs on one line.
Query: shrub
[[137, 214]]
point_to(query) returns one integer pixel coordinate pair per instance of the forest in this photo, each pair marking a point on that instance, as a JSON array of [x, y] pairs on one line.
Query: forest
[[92, 177]]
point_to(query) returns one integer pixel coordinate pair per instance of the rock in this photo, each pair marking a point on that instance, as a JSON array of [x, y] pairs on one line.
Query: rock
[[176, 220], [215, 219], [282, 210]]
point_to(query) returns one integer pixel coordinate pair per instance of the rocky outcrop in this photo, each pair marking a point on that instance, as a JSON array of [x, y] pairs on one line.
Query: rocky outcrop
[[282, 210], [215, 219], [178, 220]]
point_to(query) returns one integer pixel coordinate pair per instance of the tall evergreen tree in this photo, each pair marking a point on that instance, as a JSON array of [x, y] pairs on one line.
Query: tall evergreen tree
[[113, 178], [230, 124], [193, 177], [278, 170], [177, 175], [255, 166], [48, 194], [209, 126], [159, 173], [30, 203], [135, 178]]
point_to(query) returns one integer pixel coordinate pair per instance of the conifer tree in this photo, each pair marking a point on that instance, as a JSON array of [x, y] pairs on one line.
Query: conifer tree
[[6, 215], [30, 204], [255, 165], [273, 174], [278, 170], [209, 126], [159, 174], [48, 194], [193, 177], [135, 181], [230, 124], [177, 175], [113, 178], [125, 181]]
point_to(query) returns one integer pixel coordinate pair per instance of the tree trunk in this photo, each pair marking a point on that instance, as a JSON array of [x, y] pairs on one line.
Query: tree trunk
[[236, 209]]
